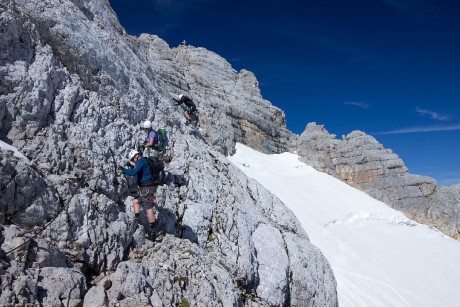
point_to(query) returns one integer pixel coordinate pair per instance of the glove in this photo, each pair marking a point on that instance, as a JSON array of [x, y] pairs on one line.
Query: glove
[[127, 165]]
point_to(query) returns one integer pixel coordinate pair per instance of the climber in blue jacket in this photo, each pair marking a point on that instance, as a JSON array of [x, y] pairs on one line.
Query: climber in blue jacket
[[147, 187]]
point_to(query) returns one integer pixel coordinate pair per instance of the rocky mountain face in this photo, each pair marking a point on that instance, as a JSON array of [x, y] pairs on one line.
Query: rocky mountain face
[[230, 105], [74, 88], [361, 161]]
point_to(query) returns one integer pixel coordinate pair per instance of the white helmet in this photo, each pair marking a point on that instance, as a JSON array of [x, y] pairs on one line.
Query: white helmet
[[180, 96], [146, 125], [132, 153]]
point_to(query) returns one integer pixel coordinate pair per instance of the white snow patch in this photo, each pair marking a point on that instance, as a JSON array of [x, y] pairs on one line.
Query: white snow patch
[[16, 153], [379, 256]]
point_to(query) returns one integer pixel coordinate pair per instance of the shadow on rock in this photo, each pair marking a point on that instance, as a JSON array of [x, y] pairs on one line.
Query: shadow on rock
[[189, 234], [167, 222], [177, 180]]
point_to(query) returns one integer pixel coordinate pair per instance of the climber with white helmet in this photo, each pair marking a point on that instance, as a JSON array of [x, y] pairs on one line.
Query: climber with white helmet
[[147, 188], [150, 149], [189, 108]]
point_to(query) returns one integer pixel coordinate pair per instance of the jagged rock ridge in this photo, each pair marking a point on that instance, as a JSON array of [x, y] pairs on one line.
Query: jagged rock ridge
[[361, 161], [74, 87]]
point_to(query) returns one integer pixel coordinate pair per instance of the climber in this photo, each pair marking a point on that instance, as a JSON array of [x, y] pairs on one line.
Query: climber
[[189, 108], [150, 150], [147, 188]]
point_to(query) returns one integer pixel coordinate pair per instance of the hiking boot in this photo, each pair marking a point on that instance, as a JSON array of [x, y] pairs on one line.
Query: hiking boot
[[151, 235]]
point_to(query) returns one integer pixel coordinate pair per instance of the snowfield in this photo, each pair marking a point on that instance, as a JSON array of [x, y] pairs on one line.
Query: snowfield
[[7, 147], [379, 257]]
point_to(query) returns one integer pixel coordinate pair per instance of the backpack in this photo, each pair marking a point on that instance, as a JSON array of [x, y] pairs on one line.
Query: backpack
[[161, 140], [157, 168]]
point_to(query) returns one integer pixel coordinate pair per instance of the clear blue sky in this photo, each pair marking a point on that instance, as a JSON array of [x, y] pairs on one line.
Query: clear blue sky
[[390, 68]]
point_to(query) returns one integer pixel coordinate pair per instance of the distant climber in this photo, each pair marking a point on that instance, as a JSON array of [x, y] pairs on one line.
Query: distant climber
[[147, 188], [189, 108]]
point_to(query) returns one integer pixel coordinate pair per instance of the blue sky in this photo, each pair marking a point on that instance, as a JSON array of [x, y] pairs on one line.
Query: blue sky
[[390, 68]]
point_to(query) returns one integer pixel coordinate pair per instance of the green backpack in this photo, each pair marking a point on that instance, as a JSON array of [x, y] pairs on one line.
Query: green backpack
[[161, 140]]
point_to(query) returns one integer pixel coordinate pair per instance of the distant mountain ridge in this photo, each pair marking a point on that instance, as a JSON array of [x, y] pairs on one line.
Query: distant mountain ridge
[[362, 162]]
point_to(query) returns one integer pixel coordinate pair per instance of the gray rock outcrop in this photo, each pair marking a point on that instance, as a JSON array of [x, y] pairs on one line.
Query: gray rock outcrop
[[74, 88], [443, 210], [361, 161], [26, 199], [315, 146]]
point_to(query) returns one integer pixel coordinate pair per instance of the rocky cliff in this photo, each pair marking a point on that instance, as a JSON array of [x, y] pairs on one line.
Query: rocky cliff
[[74, 88], [361, 161], [230, 105]]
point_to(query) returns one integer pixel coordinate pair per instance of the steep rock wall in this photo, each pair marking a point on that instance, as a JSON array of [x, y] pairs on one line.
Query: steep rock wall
[[361, 161], [231, 108], [74, 88]]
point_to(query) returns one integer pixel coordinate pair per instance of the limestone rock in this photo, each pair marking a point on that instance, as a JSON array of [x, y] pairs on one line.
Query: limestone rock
[[315, 146], [303, 285], [18, 285], [60, 286], [443, 210], [49, 286], [273, 265], [25, 198], [96, 297]]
